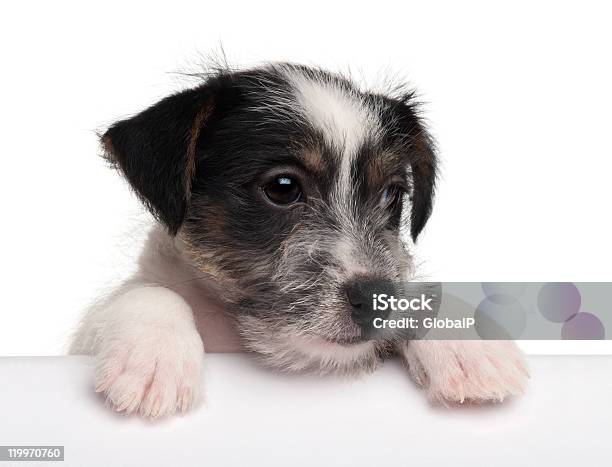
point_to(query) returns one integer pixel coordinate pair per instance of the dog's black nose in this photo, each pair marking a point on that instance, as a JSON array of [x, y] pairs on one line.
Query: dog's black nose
[[360, 295], [355, 295]]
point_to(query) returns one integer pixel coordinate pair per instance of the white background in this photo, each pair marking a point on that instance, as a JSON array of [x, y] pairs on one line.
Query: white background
[[263, 418], [518, 97]]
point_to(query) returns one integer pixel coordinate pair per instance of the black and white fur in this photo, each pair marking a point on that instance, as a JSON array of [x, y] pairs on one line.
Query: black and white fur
[[229, 268]]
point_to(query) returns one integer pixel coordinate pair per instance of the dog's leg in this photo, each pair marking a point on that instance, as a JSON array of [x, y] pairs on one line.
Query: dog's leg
[[458, 371], [149, 353]]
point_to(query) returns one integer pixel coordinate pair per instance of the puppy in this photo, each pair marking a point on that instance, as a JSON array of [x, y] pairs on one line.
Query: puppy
[[279, 190]]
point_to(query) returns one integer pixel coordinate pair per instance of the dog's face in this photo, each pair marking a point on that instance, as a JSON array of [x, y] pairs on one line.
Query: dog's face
[[289, 187]]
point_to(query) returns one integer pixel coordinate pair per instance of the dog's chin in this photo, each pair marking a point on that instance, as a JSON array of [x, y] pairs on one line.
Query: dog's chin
[[298, 352]]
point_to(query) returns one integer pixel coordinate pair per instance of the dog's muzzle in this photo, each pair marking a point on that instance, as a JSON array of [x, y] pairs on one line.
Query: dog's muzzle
[[360, 295]]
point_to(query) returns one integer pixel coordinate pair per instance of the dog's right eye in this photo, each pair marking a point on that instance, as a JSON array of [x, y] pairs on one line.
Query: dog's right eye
[[283, 190]]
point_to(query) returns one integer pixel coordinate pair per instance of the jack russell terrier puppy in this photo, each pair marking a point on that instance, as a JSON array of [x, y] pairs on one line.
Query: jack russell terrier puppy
[[279, 191]]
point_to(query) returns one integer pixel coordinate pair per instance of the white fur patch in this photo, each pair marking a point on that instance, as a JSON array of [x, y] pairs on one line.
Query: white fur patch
[[149, 355], [345, 252], [341, 115], [327, 353], [459, 371]]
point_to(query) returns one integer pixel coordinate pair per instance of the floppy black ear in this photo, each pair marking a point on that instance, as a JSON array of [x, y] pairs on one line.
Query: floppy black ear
[[423, 162], [424, 166], [155, 150]]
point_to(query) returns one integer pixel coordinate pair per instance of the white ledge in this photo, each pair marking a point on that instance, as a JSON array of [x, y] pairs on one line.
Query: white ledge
[[254, 416]]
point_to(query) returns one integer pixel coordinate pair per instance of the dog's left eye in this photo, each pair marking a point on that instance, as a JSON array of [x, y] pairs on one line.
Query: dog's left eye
[[283, 190], [391, 197]]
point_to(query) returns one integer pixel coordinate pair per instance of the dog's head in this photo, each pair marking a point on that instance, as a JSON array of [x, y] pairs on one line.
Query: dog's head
[[289, 187]]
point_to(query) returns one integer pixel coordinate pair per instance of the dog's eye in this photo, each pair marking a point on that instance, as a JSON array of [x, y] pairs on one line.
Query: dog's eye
[[283, 190], [391, 197], [391, 200]]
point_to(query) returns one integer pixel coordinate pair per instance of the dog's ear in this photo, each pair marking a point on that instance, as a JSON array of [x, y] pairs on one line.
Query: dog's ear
[[155, 150], [424, 167], [421, 151]]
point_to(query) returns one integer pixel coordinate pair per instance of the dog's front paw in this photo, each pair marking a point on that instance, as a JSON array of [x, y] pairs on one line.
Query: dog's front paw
[[458, 371], [155, 373]]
